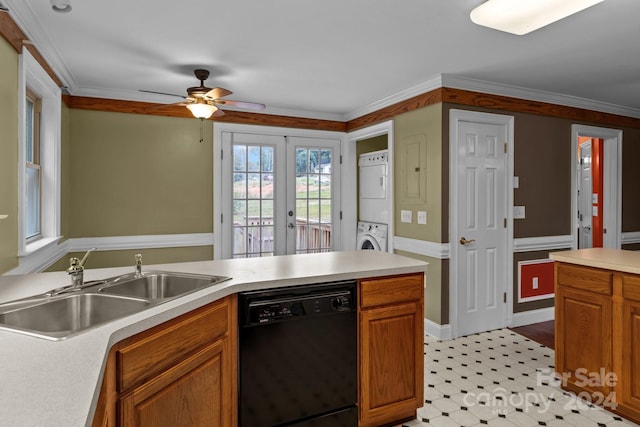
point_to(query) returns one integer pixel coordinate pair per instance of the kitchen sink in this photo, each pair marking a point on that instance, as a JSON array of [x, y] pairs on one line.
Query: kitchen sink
[[65, 315], [66, 311], [159, 285]]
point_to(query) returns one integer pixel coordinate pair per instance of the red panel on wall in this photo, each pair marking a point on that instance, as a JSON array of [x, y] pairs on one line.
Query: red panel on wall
[[536, 280]]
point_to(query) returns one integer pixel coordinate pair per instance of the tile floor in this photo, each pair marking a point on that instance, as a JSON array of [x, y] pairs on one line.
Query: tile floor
[[499, 378]]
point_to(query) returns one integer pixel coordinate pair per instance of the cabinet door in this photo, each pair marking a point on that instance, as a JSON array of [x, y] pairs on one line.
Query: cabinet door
[[191, 393], [391, 363], [631, 345], [583, 338]]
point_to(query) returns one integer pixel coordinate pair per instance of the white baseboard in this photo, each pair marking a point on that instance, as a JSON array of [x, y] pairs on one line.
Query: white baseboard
[[441, 332], [533, 316]]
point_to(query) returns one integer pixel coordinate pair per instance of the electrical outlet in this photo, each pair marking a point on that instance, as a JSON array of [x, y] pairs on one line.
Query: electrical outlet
[[535, 283], [422, 217], [405, 216]]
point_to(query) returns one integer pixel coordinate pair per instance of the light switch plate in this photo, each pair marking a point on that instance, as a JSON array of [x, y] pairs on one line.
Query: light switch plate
[[518, 212], [422, 217], [405, 216]]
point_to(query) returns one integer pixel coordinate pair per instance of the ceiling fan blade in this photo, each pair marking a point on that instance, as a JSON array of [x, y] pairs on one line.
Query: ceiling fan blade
[[218, 113], [241, 104], [217, 92], [161, 93]]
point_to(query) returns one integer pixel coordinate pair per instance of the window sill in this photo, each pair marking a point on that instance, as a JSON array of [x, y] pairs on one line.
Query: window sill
[[39, 245]]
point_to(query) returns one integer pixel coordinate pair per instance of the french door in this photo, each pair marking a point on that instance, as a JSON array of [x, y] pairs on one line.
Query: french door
[[280, 194]]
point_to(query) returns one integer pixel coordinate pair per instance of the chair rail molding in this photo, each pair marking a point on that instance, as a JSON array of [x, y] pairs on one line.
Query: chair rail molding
[[53, 252]]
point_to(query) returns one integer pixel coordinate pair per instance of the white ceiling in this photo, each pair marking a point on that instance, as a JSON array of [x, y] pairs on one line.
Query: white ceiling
[[329, 58]]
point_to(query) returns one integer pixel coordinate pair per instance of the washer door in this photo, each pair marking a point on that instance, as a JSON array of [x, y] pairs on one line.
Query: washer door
[[368, 242]]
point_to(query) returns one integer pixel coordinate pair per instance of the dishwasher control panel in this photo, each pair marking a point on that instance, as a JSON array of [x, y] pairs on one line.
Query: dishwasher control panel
[[269, 310]]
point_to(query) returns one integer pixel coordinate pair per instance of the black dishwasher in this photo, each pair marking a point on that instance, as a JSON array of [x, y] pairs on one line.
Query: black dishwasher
[[298, 356]]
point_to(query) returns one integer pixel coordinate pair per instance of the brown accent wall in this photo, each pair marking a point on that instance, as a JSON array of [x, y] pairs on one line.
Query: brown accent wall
[[630, 181]]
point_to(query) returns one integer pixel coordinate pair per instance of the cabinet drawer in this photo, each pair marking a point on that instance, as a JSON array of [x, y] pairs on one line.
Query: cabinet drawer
[[151, 352], [584, 278], [390, 290], [631, 287]]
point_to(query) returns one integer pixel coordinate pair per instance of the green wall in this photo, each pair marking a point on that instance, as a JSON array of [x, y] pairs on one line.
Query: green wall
[[101, 259], [133, 174], [425, 124], [8, 156]]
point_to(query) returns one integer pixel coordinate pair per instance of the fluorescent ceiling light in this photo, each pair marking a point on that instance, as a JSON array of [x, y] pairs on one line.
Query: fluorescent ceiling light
[[523, 16]]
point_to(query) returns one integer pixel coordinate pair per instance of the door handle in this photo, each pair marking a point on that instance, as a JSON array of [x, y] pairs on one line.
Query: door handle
[[290, 225], [464, 241]]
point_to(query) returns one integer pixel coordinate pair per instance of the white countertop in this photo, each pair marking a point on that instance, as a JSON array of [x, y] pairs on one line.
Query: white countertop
[[57, 383], [610, 259]]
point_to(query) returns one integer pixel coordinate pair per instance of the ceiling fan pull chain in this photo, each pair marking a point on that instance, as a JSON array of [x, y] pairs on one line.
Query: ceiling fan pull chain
[[201, 130]]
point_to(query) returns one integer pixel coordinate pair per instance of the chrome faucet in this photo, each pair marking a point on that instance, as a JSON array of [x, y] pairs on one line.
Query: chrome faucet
[[138, 264], [76, 270]]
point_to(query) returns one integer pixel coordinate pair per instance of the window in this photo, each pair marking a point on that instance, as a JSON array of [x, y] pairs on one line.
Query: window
[[33, 171], [38, 161]]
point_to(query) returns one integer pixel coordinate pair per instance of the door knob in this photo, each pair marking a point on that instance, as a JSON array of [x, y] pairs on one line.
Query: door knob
[[464, 241], [290, 225]]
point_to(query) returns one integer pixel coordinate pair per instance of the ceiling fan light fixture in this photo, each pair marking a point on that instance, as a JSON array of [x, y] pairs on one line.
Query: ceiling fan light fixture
[[524, 16], [61, 6], [202, 110]]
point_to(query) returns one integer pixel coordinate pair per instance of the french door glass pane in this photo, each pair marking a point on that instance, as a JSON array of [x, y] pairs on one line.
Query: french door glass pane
[[313, 200], [253, 200]]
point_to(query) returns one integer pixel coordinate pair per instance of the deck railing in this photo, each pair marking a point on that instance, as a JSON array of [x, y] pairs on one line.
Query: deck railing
[[256, 238]]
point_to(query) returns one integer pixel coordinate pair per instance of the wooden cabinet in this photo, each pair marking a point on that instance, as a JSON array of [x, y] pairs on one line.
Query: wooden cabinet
[[583, 325], [391, 349], [184, 371], [180, 373], [630, 330], [597, 332]]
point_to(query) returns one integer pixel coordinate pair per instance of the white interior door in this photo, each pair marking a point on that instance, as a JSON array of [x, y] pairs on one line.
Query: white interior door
[[280, 195], [481, 216], [585, 195]]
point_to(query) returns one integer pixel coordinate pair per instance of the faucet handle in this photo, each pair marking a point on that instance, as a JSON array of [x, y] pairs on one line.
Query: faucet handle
[[138, 264], [74, 265]]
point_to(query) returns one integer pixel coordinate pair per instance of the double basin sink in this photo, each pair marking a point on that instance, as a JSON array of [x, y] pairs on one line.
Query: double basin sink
[[65, 312]]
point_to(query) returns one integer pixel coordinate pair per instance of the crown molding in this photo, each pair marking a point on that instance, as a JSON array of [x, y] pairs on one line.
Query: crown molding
[[26, 20], [28, 23], [411, 92], [469, 84]]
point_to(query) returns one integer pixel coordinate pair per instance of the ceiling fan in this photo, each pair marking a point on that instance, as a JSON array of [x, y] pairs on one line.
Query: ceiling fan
[[203, 102]]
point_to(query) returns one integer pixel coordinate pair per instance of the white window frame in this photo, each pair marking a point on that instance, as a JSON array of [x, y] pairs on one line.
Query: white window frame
[[32, 75]]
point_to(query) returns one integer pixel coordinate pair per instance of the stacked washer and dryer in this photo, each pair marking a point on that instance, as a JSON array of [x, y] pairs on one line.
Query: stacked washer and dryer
[[374, 201]]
